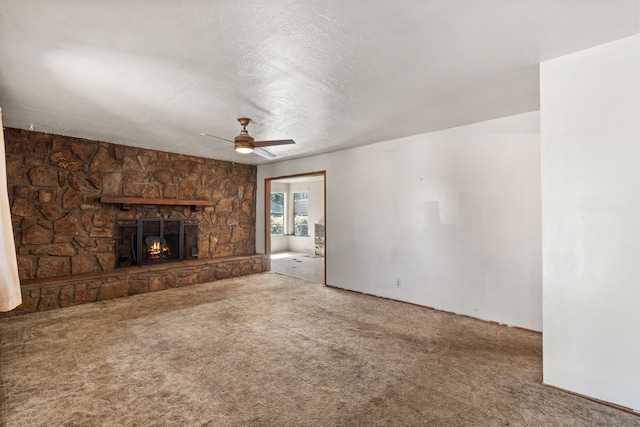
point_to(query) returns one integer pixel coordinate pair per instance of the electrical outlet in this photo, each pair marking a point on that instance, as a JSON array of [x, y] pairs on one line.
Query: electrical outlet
[[397, 283]]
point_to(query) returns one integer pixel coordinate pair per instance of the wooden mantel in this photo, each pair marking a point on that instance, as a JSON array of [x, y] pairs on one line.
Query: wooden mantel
[[126, 202]]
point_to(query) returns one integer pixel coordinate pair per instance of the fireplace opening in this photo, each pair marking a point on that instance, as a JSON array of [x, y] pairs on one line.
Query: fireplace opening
[[147, 241]]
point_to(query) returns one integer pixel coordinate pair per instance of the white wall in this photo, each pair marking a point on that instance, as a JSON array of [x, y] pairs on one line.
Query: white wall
[[590, 114], [454, 215]]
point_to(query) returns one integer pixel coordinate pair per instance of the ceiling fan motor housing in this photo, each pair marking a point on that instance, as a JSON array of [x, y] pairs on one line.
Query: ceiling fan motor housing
[[244, 134], [243, 143]]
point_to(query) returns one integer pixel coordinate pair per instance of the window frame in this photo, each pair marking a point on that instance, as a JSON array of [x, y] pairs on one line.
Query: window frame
[[283, 213], [294, 215]]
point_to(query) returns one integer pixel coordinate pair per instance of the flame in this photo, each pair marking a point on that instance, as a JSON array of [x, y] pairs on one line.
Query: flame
[[155, 248]]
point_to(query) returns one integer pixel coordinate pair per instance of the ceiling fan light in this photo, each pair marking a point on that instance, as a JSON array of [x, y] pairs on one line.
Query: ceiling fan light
[[244, 147]]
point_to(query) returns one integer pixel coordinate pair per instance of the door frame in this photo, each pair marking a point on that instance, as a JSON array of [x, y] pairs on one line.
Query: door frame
[[267, 214]]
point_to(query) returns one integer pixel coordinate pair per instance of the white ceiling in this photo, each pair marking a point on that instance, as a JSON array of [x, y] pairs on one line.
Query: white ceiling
[[329, 74]]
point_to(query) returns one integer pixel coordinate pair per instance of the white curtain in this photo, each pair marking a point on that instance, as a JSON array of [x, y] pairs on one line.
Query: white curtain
[[10, 296]]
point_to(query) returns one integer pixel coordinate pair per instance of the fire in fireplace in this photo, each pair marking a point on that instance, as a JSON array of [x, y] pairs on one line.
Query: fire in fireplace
[[152, 240], [157, 248]]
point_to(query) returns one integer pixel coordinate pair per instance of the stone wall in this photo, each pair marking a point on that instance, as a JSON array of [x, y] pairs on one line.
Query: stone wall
[[64, 291], [61, 228]]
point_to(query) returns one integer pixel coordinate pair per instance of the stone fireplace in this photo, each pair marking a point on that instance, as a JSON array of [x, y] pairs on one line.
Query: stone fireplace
[[76, 203], [149, 241]]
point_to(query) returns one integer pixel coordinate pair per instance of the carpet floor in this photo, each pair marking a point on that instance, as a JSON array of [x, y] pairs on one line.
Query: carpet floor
[[271, 350]]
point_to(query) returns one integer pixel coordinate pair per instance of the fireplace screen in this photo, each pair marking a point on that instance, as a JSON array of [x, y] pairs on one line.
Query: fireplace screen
[[151, 241]]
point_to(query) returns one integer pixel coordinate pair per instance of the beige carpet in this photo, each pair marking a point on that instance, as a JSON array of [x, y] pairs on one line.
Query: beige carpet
[[269, 350]]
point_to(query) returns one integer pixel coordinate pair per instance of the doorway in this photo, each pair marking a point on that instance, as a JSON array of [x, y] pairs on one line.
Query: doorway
[[295, 225]]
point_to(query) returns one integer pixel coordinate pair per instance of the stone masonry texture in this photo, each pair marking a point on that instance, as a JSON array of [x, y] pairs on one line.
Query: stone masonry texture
[[64, 291], [60, 227]]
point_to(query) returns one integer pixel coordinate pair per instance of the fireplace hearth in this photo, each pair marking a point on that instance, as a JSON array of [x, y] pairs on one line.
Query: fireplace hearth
[[148, 241]]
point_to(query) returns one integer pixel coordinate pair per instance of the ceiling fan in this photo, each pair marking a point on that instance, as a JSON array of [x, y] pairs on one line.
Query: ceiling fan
[[245, 144]]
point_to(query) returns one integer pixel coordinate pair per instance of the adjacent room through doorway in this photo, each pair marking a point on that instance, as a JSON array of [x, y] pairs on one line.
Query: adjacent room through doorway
[[300, 265], [295, 229]]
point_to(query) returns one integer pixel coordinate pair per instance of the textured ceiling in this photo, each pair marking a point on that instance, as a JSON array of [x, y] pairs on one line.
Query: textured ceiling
[[329, 74]]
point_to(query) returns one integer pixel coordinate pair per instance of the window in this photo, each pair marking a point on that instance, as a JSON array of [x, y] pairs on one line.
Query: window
[[277, 213], [300, 214]]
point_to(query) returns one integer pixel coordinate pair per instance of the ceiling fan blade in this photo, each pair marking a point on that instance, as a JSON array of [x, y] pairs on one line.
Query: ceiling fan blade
[[274, 142], [264, 153], [216, 137]]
